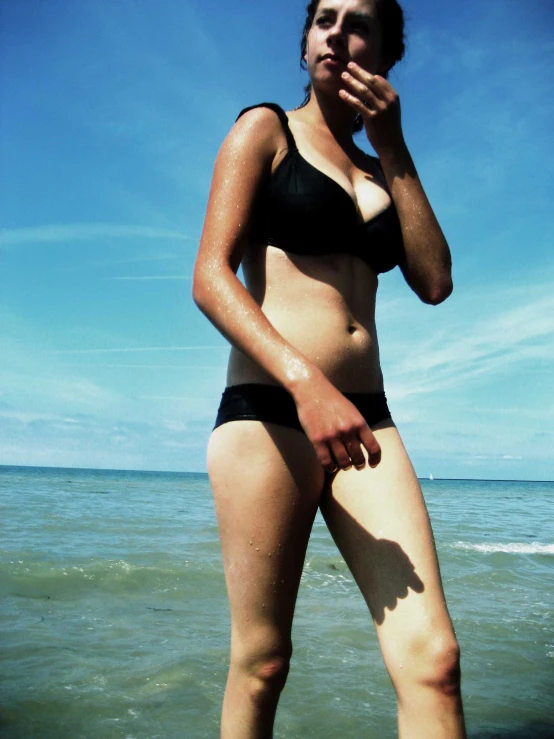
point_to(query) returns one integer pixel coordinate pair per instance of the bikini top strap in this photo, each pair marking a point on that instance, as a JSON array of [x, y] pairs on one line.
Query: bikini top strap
[[291, 143]]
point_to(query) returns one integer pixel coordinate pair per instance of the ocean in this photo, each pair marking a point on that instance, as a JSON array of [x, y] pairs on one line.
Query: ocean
[[115, 621]]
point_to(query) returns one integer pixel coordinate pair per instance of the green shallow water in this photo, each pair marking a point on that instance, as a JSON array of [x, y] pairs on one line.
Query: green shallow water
[[115, 621]]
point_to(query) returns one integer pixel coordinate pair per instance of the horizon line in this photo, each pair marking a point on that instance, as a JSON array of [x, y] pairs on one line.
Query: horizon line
[[199, 472]]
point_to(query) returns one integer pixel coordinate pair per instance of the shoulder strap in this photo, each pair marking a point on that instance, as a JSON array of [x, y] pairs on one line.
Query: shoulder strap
[[282, 117]]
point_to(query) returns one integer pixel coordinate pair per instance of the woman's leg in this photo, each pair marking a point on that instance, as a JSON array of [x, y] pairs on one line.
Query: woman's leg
[[266, 483], [379, 522]]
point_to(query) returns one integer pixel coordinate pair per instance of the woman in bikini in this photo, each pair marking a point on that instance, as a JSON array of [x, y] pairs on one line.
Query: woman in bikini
[[303, 423]]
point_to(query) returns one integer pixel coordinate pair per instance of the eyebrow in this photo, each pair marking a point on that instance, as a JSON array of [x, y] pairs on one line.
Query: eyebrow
[[358, 14], [363, 16]]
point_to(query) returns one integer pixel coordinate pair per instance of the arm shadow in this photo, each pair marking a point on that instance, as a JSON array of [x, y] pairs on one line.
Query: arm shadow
[[381, 568]]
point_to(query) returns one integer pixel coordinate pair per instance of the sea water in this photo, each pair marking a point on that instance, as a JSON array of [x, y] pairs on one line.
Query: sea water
[[115, 620]]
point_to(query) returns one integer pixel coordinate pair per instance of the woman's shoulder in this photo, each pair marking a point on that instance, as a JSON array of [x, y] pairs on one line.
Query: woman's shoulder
[[268, 118], [262, 125], [254, 140]]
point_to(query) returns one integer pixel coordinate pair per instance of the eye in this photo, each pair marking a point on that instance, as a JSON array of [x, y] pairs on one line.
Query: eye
[[360, 26], [323, 21]]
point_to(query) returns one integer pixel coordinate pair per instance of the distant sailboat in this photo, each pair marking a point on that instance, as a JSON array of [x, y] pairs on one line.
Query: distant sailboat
[[431, 477]]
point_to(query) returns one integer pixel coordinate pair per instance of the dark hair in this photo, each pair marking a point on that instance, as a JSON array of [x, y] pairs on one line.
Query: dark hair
[[391, 22]]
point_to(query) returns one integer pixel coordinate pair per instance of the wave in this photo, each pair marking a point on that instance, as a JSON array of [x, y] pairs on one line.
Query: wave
[[514, 547]]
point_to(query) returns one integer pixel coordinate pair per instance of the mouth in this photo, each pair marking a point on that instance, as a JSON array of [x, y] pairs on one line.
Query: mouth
[[333, 58]]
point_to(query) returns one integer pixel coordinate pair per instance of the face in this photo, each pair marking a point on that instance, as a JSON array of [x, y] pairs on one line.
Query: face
[[342, 31]]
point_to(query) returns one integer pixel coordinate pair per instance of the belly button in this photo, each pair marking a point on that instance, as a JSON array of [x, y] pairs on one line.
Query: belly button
[[352, 329]]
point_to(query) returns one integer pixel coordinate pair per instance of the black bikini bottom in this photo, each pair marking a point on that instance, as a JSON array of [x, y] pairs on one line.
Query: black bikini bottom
[[273, 404]]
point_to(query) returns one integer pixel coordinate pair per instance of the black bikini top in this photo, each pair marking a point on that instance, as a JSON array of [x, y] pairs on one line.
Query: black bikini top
[[302, 210]]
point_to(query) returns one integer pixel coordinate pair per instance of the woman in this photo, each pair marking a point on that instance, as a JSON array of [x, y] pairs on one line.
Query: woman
[[304, 422]]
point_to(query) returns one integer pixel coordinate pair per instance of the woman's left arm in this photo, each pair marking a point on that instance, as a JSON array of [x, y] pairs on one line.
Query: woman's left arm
[[427, 266]]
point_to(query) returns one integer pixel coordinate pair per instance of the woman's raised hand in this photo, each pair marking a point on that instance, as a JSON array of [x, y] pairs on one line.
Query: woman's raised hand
[[378, 103], [335, 427]]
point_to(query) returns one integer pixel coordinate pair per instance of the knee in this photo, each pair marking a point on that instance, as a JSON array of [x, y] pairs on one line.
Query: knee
[[268, 677], [265, 674], [442, 671], [433, 662]]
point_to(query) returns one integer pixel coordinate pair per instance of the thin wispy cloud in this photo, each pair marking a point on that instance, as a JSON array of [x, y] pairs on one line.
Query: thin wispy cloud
[[89, 440], [185, 398], [145, 366], [60, 233], [59, 391], [136, 259], [478, 346], [152, 277], [141, 349]]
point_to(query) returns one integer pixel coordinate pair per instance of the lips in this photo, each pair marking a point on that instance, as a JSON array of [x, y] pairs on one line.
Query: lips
[[332, 58]]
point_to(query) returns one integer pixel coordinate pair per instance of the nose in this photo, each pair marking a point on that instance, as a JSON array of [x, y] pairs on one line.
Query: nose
[[335, 34]]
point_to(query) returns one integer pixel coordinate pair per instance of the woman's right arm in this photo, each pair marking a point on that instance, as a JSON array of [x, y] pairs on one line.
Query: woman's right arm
[[244, 161]]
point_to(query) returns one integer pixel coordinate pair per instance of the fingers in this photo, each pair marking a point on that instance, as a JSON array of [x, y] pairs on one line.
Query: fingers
[[333, 456], [368, 93], [354, 449], [374, 82], [372, 446], [343, 453], [340, 454], [363, 109], [325, 457], [360, 95]]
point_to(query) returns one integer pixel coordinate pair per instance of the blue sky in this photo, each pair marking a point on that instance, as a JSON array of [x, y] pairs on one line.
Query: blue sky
[[112, 112]]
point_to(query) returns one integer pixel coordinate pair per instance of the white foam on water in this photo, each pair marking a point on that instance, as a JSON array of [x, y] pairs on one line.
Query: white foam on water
[[514, 547]]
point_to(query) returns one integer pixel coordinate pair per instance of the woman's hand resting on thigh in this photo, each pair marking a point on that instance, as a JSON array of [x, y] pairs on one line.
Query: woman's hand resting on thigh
[[335, 427]]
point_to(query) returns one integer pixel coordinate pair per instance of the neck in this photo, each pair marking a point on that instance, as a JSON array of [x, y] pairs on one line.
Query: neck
[[335, 115]]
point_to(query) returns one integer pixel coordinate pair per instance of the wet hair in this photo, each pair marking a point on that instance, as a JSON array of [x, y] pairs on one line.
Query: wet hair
[[391, 23]]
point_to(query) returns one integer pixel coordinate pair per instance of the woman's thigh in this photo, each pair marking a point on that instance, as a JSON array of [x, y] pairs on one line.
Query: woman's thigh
[[266, 483], [379, 521]]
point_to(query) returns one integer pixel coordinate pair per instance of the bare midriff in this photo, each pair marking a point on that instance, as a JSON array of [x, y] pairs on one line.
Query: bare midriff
[[324, 306]]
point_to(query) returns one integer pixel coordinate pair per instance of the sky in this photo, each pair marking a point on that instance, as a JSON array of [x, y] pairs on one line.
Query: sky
[[111, 116]]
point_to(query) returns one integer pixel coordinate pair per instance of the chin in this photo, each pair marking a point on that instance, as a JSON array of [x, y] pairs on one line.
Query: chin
[[328, 85]]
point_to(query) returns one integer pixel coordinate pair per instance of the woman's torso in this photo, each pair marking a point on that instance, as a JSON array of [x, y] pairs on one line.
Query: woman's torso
[[322, 304]]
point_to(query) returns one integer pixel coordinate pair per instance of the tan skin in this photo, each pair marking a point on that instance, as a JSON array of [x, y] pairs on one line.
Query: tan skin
[[308, 324]]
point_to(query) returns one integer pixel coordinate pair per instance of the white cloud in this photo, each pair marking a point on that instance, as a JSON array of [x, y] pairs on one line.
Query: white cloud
[[142, 349], [60, 233], [146, 366], [154, 277], [487, 336], [91, 441], [188, 399]]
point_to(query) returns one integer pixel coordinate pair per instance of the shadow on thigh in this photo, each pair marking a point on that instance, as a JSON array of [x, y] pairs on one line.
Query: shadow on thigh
[[382, 569], [378, 519]]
